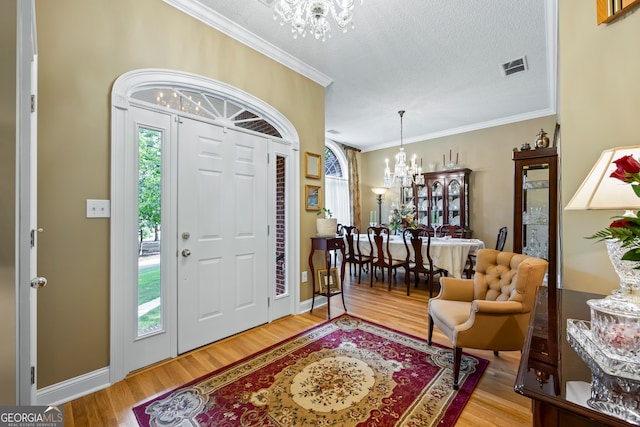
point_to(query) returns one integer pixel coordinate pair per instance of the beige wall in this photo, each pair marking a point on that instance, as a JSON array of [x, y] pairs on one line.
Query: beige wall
[[84, 45], [7, 206], [599, 109], [486, 152]]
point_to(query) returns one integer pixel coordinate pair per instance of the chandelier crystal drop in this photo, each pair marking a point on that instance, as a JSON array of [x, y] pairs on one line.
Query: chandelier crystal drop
[[312, 16], [407, 175]]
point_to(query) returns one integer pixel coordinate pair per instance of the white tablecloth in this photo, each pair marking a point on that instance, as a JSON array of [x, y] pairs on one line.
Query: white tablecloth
[[448, 253]]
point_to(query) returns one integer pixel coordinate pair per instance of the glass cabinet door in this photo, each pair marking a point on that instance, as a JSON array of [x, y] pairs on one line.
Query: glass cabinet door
[[536, 206], [422, 204], [535, 211], [407, 195], [453, 202]]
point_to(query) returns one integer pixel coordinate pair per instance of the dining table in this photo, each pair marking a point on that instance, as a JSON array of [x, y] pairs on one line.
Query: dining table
[[446, 252]]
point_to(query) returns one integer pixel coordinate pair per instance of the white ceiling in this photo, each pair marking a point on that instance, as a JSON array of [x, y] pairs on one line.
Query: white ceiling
[[440, 60]]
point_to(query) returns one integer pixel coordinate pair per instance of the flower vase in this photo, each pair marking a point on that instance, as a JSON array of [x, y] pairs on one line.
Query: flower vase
[[326, 227]]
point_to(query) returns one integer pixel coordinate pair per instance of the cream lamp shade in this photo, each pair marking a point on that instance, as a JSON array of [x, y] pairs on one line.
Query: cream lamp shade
[[379, 191], [600, 191]]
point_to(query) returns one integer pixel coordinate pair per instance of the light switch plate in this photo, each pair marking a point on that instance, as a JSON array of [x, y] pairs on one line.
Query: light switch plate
[[304, 276], [98, 208]]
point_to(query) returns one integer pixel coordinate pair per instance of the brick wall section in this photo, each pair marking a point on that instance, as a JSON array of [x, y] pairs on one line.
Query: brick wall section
[[280, 221]]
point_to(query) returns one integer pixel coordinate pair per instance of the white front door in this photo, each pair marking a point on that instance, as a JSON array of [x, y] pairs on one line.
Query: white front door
[[28, 282], [223, 259]]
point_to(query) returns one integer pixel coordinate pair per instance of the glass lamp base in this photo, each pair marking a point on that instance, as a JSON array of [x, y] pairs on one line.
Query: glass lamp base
[[615, 382], [615, 326], [626, 271], [582, 338]]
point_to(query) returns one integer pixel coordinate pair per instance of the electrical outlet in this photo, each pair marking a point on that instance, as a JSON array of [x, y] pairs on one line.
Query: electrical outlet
[[304, 276]]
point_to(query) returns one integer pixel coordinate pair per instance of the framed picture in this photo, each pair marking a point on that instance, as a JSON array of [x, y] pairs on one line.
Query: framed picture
[[328, 280], [312, 165], [312, 196]]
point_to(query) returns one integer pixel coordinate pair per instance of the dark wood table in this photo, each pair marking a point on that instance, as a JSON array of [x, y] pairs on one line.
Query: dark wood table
[[551, 372], [327, 244]]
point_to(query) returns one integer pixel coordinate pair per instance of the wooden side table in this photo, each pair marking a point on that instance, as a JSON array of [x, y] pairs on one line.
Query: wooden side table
[[327, 244]]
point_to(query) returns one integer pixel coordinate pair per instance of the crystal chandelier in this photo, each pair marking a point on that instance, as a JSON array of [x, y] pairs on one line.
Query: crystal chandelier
[[312, 15], [404, 173]]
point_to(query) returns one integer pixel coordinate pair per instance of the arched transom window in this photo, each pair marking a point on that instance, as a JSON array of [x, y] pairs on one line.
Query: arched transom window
[[206, 105]]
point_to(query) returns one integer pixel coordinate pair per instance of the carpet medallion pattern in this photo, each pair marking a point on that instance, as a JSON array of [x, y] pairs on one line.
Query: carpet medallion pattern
[[345, 372]]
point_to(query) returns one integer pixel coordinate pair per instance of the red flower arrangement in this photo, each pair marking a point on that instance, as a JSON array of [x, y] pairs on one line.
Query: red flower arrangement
[[625, 228]]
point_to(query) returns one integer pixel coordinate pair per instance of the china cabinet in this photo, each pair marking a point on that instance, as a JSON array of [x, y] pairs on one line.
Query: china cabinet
[[443, 199], [535, 227]]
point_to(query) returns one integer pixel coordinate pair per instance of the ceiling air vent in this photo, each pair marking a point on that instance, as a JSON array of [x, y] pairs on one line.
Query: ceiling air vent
[[333, 131], [514, 66]]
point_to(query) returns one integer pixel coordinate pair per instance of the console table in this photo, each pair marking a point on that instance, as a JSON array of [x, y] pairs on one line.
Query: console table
[[551, 372], [327, 244]]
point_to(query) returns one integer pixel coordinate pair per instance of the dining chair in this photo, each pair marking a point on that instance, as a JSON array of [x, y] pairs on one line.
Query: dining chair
[[381, 256], [456, 231], [354, 256], [502, 238], [428, 228], [414, 241], [471, 258]]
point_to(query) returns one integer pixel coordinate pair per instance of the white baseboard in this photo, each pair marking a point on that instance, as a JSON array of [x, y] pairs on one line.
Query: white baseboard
[[73, 388], [305, 306], [91, 382]]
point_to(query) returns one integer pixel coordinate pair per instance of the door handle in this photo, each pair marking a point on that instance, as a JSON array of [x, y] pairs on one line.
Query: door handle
[[186, 252], [38, 282]]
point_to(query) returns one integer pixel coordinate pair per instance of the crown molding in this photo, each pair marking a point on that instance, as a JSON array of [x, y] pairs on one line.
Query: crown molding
[[233, 30], [463, 129]]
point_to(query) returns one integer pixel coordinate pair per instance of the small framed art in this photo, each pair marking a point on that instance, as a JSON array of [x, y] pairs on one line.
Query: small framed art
[[328, 280], [311, 165], [312, 196]]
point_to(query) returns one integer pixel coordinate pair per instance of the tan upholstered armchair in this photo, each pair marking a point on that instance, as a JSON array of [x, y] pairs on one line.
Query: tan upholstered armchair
[[490, 311]]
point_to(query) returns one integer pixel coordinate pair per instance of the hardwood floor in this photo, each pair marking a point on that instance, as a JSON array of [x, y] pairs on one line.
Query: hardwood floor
[[493, 402]]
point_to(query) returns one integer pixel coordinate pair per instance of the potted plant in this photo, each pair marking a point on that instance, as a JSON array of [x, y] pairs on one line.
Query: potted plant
[[326, 226]]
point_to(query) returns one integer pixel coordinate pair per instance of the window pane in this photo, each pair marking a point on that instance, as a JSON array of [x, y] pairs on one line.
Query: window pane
[[149, 185], [331, 164]]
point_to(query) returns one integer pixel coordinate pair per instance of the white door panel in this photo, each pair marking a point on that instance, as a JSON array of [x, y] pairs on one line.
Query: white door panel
[[222, 200]]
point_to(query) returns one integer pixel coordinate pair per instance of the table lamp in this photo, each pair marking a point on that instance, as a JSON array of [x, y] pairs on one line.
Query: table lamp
[[613, 337]]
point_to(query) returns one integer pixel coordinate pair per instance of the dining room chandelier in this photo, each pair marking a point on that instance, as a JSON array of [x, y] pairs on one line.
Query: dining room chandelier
[[404, 173], [312, 16]]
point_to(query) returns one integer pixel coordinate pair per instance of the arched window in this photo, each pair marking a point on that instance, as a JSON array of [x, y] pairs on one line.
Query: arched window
[[336, 181]]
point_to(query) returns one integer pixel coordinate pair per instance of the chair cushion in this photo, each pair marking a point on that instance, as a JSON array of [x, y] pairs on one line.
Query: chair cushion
[[448, 314]]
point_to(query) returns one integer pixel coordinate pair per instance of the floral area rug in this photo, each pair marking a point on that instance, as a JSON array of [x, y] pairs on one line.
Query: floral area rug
[[344, 372]]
